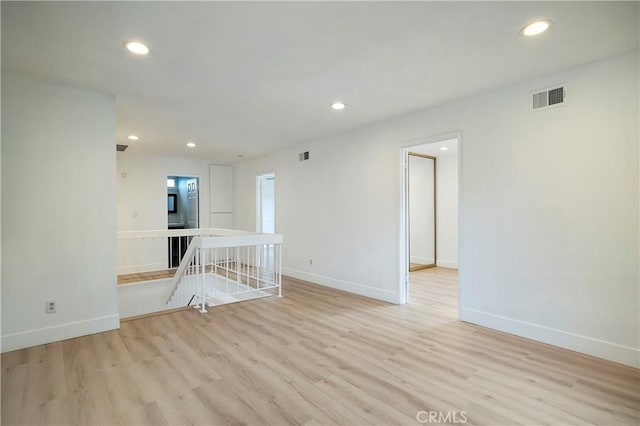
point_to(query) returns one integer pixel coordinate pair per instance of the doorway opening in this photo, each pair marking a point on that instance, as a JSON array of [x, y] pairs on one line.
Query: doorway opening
[[266, 203], [429, 212], [183, 200]]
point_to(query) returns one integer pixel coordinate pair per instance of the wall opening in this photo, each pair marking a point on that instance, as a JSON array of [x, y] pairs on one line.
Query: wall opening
[[266, 203], [183, 200], [429, 214], [421, 200]]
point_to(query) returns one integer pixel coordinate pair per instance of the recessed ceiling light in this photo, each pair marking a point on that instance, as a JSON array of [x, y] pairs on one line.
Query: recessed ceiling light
[[133, 137], [338, 105], [191, 144], [444, 148], [136, 47], [535, 28]]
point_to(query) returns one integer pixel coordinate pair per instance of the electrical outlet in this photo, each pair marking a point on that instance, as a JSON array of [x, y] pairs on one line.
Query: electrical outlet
[[51, 307]]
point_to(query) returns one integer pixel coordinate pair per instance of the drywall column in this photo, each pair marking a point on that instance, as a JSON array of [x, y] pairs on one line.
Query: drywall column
[[58, 214], [221, 196]]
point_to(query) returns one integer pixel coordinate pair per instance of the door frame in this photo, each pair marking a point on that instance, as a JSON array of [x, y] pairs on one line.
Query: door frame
[[403, 212], [188, 176], [259, 200]]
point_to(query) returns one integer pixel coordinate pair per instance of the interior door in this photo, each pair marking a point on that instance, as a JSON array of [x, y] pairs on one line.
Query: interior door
[[192, 203]]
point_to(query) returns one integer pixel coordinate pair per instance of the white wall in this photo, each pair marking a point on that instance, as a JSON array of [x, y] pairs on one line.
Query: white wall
[[221, 206], [447, 210], [144, 297], [58, 214], [142, 192], [422, 213], [142, 205], [549, 213]]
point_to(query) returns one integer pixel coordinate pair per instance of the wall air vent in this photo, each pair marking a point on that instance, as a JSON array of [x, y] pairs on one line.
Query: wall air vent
[[303, 156], [549, 97], [121, 148]]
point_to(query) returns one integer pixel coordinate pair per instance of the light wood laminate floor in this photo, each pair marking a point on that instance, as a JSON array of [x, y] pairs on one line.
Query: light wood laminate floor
[[145, 276], [317, 356]]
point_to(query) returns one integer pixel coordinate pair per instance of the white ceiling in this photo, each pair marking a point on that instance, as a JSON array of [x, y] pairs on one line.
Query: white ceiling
[[252, 77]]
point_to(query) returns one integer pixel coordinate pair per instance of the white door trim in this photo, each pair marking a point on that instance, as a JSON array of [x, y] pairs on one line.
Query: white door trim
[[189, 176]]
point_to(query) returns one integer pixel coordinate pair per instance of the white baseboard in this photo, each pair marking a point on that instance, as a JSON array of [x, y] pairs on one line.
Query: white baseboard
[[576, 342], [453, 264], [361, 289], [422, 260], [40, 336]]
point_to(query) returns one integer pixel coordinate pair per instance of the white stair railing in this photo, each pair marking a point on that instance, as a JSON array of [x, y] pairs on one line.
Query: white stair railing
[[156, 250], [189, 260], [217, 270]]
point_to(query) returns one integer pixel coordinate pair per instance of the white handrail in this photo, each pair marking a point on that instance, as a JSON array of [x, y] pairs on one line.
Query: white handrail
[[239, 240], [159, 233]]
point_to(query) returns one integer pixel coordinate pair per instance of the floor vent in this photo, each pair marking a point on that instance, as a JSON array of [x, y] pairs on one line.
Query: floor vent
[[553, 96], [121, 148]]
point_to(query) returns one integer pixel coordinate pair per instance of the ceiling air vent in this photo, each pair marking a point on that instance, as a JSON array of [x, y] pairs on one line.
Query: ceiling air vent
[[121, 148], [553, 96]]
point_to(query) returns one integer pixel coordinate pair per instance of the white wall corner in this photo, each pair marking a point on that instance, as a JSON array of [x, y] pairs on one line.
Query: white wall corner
[[575, 342], [351, 287], [41, 336]]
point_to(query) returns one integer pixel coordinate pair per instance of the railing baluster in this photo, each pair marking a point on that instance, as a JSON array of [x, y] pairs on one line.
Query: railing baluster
[[193, 287], [215, 262], [272, 263], [256, 267], [170, 252], [279, 272], [204, 295], [236, 269], [226, 251], [213, 275]]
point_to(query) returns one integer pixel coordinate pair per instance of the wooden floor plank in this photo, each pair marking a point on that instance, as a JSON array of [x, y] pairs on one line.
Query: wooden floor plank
[[318, 356]]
